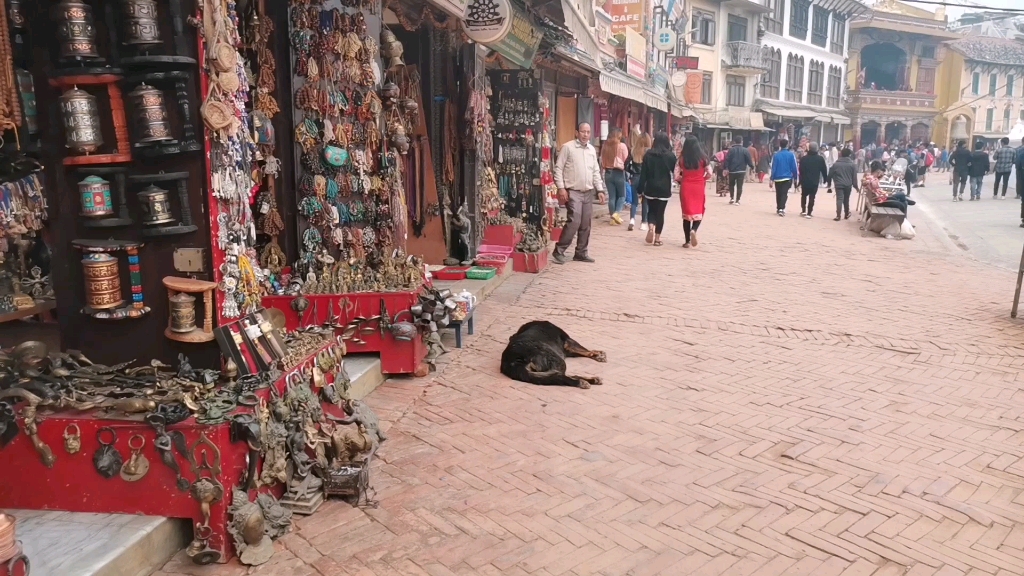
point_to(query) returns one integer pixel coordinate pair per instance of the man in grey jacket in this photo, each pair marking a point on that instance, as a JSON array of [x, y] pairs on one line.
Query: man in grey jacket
[[843, 175]]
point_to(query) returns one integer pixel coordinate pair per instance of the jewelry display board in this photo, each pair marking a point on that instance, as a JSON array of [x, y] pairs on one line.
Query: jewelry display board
[[518, 129]]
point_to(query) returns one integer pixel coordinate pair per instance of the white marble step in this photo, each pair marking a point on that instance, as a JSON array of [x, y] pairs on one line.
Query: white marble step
[[78, 544], [364, 371]]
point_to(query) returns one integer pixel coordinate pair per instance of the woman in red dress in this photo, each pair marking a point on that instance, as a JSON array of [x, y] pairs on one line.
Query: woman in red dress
[[693, 174]]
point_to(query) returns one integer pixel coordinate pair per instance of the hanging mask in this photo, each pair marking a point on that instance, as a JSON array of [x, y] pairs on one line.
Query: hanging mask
[[107, 459], [335, 155]]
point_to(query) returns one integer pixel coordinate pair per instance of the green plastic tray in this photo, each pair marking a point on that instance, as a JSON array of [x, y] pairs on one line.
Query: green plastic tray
[[480, 273]]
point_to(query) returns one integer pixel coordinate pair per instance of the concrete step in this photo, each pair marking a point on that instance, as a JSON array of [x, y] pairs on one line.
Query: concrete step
[[78, 544], [364, 372]]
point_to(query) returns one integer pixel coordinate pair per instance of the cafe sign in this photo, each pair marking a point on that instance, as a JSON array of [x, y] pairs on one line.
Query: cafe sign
[[521, 42], [487, 21]]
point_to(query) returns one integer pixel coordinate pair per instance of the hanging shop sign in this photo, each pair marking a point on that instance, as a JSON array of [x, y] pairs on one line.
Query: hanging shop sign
[[487, 21], [694, 87], [456, 8], [686, 62], [521, 42], [636, 54], [626, 15], [665, 39]]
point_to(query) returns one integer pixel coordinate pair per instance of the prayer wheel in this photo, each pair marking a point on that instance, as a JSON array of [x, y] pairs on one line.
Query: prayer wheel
[[102, 281]]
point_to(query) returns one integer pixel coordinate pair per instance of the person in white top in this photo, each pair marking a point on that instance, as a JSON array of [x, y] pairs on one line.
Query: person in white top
[[577, 176]]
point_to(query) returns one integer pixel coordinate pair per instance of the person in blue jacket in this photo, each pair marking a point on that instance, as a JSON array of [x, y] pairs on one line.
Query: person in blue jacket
[[784, 173]]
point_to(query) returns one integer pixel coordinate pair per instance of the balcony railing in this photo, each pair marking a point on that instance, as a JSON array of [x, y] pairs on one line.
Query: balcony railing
[[746, 57], [890, 98]]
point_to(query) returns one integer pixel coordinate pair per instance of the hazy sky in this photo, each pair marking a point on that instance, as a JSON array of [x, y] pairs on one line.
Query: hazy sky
[[955, 9]]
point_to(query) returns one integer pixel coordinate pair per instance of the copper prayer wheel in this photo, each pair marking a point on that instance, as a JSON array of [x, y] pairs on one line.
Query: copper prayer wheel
[[81, 121], [102, 281], [156, 205], [141, 23], [183, 312], [76, 30], [96, 200], [150, 114]]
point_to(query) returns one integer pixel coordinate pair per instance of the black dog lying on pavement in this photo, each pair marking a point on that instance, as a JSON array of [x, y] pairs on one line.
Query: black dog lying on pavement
[[536, 354]]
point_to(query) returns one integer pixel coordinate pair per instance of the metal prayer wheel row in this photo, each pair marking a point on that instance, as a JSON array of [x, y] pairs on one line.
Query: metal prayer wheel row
[[82, 123], [98, 203], [77, 30]]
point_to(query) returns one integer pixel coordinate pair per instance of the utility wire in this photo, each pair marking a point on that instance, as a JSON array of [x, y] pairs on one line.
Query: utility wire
[[975, 6]]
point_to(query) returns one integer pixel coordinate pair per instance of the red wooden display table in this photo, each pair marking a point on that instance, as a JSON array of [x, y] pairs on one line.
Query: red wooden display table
[[395, 357], [74, 485], [501, 235], [532, 262]]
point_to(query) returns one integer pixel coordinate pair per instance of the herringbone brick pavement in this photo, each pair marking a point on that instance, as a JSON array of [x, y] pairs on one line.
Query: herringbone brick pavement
[[788, 398]]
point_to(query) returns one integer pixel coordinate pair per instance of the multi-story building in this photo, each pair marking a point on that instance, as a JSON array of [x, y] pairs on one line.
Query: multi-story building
[[725, 38], [896, 70], [802, 92], [985, 83]]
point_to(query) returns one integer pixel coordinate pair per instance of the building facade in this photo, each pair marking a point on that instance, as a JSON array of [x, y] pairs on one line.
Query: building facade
[[725, 38], [896, 70], [987, 79], [807, 41]]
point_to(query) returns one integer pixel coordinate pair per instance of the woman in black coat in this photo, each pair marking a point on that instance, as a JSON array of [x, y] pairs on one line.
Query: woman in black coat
[[656, 175]]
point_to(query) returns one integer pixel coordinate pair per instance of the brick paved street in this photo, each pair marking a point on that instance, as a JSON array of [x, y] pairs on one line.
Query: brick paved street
[[788, 398]]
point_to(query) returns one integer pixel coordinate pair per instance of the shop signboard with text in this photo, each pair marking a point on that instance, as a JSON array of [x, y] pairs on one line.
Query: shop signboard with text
[[636, 54], [521, 42], [626, 15], [487, 21]]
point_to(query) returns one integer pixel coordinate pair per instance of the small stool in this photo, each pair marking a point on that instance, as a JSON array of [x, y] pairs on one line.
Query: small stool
[[457, 326]]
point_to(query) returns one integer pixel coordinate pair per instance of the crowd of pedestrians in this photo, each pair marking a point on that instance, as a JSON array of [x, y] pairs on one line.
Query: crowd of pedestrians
[[651, 167]]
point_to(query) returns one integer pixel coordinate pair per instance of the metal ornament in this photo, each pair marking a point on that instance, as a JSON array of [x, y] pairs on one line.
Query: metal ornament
[[76, 31], [156, 205], [72, 439], [150, 113], [96, 199], [102, 281], [183, 312], [137, 465], [107, 459], [142, 26], [27, 89], [16, 13], [81, 116]]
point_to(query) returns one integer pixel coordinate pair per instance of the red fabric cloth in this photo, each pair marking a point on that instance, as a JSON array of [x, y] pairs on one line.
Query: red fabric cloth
[[691, 192]]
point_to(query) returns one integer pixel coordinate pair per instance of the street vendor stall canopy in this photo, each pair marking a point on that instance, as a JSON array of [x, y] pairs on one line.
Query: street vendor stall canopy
[[619, 84]]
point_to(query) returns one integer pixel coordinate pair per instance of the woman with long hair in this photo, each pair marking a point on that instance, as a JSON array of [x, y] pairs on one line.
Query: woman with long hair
[[636, 159], [693, 174], [656, 184], [613, 160]]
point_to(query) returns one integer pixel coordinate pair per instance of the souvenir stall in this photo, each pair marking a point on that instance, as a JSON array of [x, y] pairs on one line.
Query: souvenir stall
[[238, 451], [25, 286], [166, 253], [363, 182]]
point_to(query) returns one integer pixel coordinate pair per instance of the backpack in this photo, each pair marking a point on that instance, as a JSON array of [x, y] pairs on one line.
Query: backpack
[[929, 159]]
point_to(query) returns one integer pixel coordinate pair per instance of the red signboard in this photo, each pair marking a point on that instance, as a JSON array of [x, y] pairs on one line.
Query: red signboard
[[626, 14], [686, 62]]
